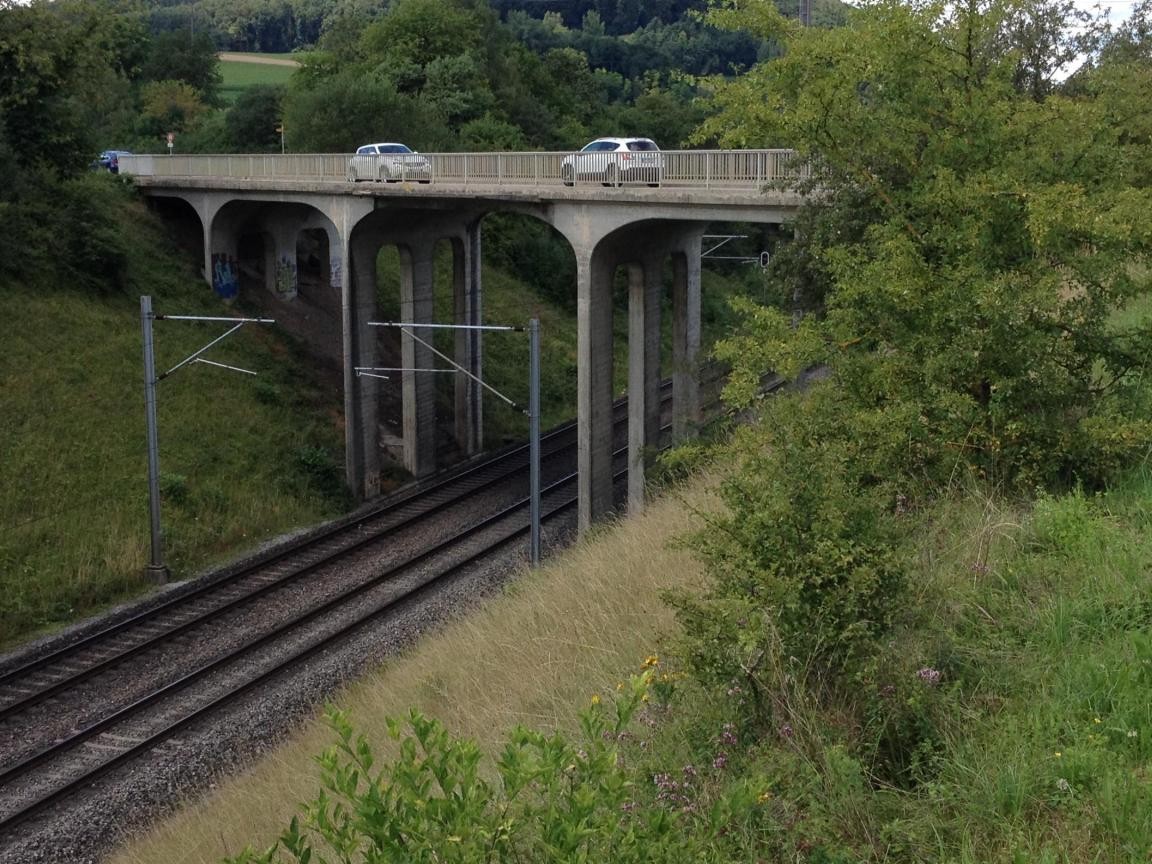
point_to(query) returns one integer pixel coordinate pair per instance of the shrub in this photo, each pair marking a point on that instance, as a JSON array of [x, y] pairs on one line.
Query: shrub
[[552, 800], [805, 559]]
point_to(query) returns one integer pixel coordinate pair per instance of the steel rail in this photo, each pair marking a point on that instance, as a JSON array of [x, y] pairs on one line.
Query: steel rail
[[9, 677], [37, 806]]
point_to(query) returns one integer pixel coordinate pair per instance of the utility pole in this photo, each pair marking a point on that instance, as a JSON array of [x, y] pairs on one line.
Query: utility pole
[[534, 434], [156, 570]]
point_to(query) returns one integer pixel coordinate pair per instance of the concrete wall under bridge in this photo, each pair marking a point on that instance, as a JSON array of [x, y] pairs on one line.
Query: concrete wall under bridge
[[341, 226]]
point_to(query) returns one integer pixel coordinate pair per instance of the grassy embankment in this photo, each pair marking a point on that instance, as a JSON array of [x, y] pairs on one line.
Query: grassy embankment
[[242, 458], [1016, 677], [1036, 737], [532, 656]]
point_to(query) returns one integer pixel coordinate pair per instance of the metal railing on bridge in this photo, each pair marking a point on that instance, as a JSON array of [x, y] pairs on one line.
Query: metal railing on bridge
[[727, 169]]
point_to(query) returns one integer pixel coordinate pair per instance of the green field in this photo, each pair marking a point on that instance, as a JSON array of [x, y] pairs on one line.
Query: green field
[[239, 75]]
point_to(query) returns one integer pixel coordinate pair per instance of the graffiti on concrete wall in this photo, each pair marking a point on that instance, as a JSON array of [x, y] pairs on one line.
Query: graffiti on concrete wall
[[286, 275], [225, 275], [337, 271]]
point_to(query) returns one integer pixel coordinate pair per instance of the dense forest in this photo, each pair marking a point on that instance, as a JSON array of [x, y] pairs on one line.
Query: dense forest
[[611, 27]]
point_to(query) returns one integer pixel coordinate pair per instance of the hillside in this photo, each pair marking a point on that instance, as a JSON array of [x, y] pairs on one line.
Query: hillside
[[242, 459], [1014, 689]]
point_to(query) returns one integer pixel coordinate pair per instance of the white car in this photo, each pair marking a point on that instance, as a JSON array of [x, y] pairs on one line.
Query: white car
[[389, 162], [613, 161]]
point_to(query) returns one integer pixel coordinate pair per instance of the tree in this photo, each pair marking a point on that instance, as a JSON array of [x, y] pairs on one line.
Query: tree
[[353, 108], [48, 57], [973, 237], [417, 32], [187, 57], [254, 117], [54, 62], [169, 106]]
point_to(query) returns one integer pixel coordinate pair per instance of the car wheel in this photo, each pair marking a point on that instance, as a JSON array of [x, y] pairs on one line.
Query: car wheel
[[385, 175], [352, 176], [610, 178], [567, 175]]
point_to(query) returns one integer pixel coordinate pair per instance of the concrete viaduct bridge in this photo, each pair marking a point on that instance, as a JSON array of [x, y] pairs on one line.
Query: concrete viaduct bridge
[[637, 225]]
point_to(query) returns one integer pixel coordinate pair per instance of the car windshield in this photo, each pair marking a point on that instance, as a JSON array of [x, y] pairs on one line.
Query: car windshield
[[394, 148], [642, 145]]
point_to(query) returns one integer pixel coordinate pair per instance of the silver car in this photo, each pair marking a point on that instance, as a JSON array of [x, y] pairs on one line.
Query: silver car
[[613, 161], [389, 162]]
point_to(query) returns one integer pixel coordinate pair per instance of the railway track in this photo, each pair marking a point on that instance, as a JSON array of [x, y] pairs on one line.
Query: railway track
[[72, 716]]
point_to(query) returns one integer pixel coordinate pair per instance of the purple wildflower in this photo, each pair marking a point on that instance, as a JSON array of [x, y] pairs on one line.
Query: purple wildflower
[[929, 676]]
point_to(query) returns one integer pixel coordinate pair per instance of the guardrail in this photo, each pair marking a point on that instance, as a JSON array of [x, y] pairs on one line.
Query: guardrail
[[731, 169]]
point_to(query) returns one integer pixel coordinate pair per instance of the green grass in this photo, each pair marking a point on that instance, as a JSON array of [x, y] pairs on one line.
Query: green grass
[[238, 76], [243, 458]]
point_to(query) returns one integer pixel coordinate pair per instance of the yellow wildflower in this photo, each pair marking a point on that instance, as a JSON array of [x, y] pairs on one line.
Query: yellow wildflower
[[595, 698], [651, 660], [1057, 754], [765, 797]]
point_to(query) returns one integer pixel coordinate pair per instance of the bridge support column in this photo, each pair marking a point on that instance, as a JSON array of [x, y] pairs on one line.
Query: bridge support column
[[419, 388], [223, 253], [686, 337], [644, 290], [361, 393], [594, 386], [467, 300], [280, 273]]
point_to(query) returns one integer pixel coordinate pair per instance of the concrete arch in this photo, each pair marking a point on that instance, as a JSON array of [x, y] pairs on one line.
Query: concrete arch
[[415, 234], [643, 245]]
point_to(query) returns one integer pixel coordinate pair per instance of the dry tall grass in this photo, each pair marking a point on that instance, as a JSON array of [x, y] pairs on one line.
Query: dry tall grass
[[532, 656]]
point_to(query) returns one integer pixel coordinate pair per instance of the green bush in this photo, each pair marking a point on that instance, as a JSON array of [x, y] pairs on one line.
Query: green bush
[[551, 800], [322, 470], [805, 558]]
